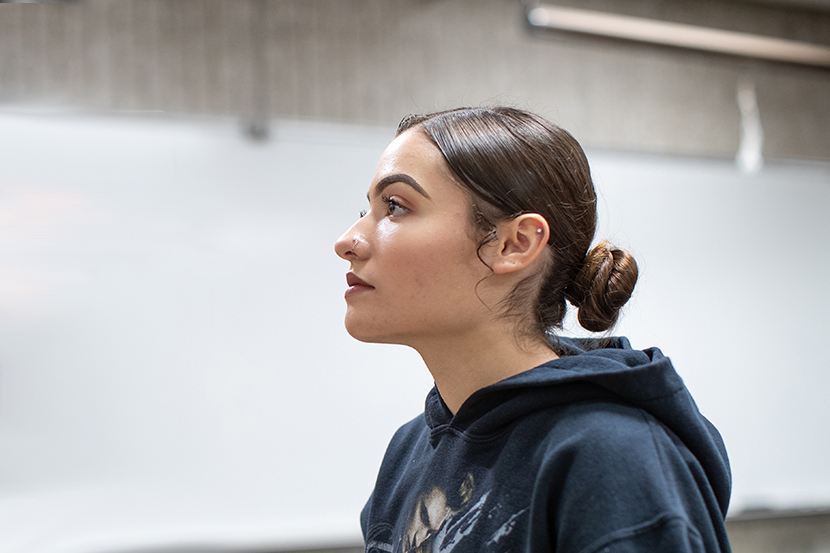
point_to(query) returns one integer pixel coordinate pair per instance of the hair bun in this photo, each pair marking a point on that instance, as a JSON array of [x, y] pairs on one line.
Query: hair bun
[[602, 286]]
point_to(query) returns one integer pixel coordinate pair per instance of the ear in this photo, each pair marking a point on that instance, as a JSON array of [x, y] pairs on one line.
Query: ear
[[520, 242]]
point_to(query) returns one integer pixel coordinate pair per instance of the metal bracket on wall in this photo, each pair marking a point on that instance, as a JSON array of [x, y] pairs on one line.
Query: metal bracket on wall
[[677, 34]]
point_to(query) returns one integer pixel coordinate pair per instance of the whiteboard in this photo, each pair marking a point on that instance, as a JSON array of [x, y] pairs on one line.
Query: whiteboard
[[173, 366]]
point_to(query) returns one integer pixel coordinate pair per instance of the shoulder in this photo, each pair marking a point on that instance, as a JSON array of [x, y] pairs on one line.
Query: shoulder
[[616, 475], [603, 444], [604, 428], [409, 438], [410, 431]]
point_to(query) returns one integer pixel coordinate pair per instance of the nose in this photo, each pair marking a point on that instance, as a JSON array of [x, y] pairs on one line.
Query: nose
[[348, 244]]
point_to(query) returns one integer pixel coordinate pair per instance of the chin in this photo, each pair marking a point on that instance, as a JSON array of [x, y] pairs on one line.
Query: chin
[[369, 337], [369, 331]]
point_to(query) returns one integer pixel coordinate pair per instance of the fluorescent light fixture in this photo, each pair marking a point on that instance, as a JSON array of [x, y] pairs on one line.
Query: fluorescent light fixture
[[676, 34]]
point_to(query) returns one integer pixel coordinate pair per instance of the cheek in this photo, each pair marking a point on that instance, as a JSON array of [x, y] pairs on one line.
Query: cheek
[[404, 252], [429, 257]]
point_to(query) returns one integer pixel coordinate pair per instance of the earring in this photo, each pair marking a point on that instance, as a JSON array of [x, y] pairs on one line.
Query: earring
[[538, 231]]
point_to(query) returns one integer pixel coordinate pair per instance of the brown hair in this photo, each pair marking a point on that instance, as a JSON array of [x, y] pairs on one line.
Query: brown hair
[[514, 162]]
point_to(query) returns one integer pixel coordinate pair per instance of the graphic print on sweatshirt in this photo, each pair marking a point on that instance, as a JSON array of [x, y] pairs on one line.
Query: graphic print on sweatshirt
[[456, 519]]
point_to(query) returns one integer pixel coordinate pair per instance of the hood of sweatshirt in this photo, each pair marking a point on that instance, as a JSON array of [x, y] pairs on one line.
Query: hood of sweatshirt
[[613, 372]]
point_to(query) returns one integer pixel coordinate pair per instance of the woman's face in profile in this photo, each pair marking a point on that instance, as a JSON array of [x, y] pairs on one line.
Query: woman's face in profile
[[413, 262]]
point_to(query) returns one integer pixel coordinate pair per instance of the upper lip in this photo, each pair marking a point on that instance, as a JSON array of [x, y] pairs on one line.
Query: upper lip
[[353, 280]]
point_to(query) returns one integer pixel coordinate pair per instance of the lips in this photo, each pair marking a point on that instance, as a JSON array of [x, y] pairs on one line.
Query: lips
[[353, 280], [356, 285]]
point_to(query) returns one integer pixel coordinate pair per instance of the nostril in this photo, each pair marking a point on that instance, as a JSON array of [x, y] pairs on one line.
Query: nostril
[[351, 244]]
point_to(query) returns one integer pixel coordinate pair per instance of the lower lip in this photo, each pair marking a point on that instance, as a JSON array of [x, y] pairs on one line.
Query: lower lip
[[356, 289]]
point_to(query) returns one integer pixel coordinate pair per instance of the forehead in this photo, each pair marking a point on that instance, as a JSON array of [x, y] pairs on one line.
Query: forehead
[[413, 154]]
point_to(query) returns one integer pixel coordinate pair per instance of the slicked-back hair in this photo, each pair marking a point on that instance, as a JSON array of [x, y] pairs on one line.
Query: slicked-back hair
[[513, 162]]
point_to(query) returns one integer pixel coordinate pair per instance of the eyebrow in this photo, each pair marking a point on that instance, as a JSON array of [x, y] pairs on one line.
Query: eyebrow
[[399, 177]]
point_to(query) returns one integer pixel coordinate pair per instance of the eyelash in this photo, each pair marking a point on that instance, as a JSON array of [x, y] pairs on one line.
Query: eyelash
[[390, 206]]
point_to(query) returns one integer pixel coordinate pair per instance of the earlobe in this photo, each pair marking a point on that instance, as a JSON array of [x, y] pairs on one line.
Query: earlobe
[[520, 242]]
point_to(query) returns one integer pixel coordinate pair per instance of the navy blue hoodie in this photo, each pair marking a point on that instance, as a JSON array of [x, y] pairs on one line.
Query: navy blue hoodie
[[601, 450]]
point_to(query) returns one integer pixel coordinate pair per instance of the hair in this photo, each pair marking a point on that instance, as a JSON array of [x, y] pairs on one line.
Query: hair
[[513, 162]]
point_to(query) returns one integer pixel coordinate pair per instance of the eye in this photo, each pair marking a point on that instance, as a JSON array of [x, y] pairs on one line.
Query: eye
[[393, 208]]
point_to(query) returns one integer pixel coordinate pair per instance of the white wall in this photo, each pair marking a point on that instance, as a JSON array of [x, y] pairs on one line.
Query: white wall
[[734, 290], [173, 367]]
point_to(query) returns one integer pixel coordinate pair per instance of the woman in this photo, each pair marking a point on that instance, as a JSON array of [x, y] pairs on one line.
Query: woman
[[478, 231]]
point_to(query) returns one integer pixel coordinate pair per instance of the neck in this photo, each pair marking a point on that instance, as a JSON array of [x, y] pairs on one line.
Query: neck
[[461, 366]]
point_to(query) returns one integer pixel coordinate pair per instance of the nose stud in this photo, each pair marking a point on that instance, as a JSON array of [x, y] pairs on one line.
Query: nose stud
[[356, 241]]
